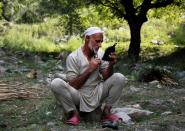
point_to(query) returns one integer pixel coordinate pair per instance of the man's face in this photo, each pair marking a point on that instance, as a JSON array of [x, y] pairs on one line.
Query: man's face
[[95, 41]]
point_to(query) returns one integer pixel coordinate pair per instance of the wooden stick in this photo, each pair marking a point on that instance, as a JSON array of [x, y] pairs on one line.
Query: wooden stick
[[3, 84]]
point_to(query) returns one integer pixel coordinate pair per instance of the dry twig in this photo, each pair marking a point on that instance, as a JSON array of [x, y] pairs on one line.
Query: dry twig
[[9, 91]]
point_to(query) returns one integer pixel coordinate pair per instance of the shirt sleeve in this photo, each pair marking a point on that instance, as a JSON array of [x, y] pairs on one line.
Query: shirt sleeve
[[72, 68]]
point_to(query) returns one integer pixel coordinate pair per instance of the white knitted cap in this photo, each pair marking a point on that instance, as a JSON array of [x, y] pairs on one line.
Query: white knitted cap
[[92, 30]]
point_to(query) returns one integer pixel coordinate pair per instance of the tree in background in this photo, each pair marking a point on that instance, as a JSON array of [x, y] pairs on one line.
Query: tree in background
[[68, 9], [7, 10], [1, 7], [21, 11], [135, 13]]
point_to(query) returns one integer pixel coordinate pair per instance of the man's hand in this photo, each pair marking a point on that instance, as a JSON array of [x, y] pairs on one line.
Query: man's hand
[[107, 72], [94, 64], [78, 82], [113, 59]]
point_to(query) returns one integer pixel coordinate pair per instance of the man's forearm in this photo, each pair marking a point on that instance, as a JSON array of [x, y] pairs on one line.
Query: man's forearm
[[79, 81], [106, 73]]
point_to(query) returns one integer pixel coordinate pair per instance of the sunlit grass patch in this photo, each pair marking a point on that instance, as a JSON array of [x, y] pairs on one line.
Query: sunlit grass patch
[[73, 43], [151, 51], [33, 37], [179, 34]]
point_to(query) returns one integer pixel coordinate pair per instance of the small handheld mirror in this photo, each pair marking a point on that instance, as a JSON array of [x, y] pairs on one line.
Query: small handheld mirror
[[108, 51]]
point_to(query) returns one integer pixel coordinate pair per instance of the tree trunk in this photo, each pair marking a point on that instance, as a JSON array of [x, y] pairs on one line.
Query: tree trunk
[[135, 33]]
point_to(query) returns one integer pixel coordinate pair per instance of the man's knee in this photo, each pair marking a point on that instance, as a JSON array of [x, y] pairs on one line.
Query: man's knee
[[57, 83], [119, 78]]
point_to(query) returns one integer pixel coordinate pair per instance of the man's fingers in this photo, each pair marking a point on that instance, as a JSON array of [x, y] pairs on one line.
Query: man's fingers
[[97, 59], [113, 56]]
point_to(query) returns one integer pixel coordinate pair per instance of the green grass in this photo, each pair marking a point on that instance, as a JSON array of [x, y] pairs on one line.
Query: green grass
[[175, 59], [29, 38], [38, 112], [179, 34]]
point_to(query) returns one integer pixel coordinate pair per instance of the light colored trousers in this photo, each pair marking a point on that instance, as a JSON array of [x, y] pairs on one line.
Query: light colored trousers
[[69, 97]]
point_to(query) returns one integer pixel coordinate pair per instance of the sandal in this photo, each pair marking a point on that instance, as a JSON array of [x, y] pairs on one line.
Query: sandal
[[75, 120]]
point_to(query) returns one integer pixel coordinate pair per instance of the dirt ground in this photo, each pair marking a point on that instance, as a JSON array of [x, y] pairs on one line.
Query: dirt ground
[[27, 104], [38, 110]]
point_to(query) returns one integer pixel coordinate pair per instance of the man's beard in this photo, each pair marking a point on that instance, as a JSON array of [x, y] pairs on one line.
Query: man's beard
[[93, 51]]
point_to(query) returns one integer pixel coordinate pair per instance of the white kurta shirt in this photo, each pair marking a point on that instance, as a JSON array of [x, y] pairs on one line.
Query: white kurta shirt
[[91, 91]]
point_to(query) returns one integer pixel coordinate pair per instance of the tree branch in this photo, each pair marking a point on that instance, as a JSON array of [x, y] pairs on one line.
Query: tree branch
[[114, 6], [143, 9], [129, 8], [163, 3], [128, 4], [144, 6]]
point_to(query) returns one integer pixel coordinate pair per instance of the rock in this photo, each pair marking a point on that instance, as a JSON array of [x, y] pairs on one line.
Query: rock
[[174, 128], [133, 112], [56, 40], [166, 113], [8, 24], [23, 112], [158, 42], [125, 65], [50, 124], [20, 62], [171, 34], [92, 116], [183, 98], [154, 83], [156, 103], [181, 74], [138, 106], [38, 60], [33, 125], [72, 129], [162, 104], [24, 69], [2, 70], [172, 101], [159, 86], [32, 74], [56, 129], [2, 62], [134, 90], [48, 113], [125, 118]]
